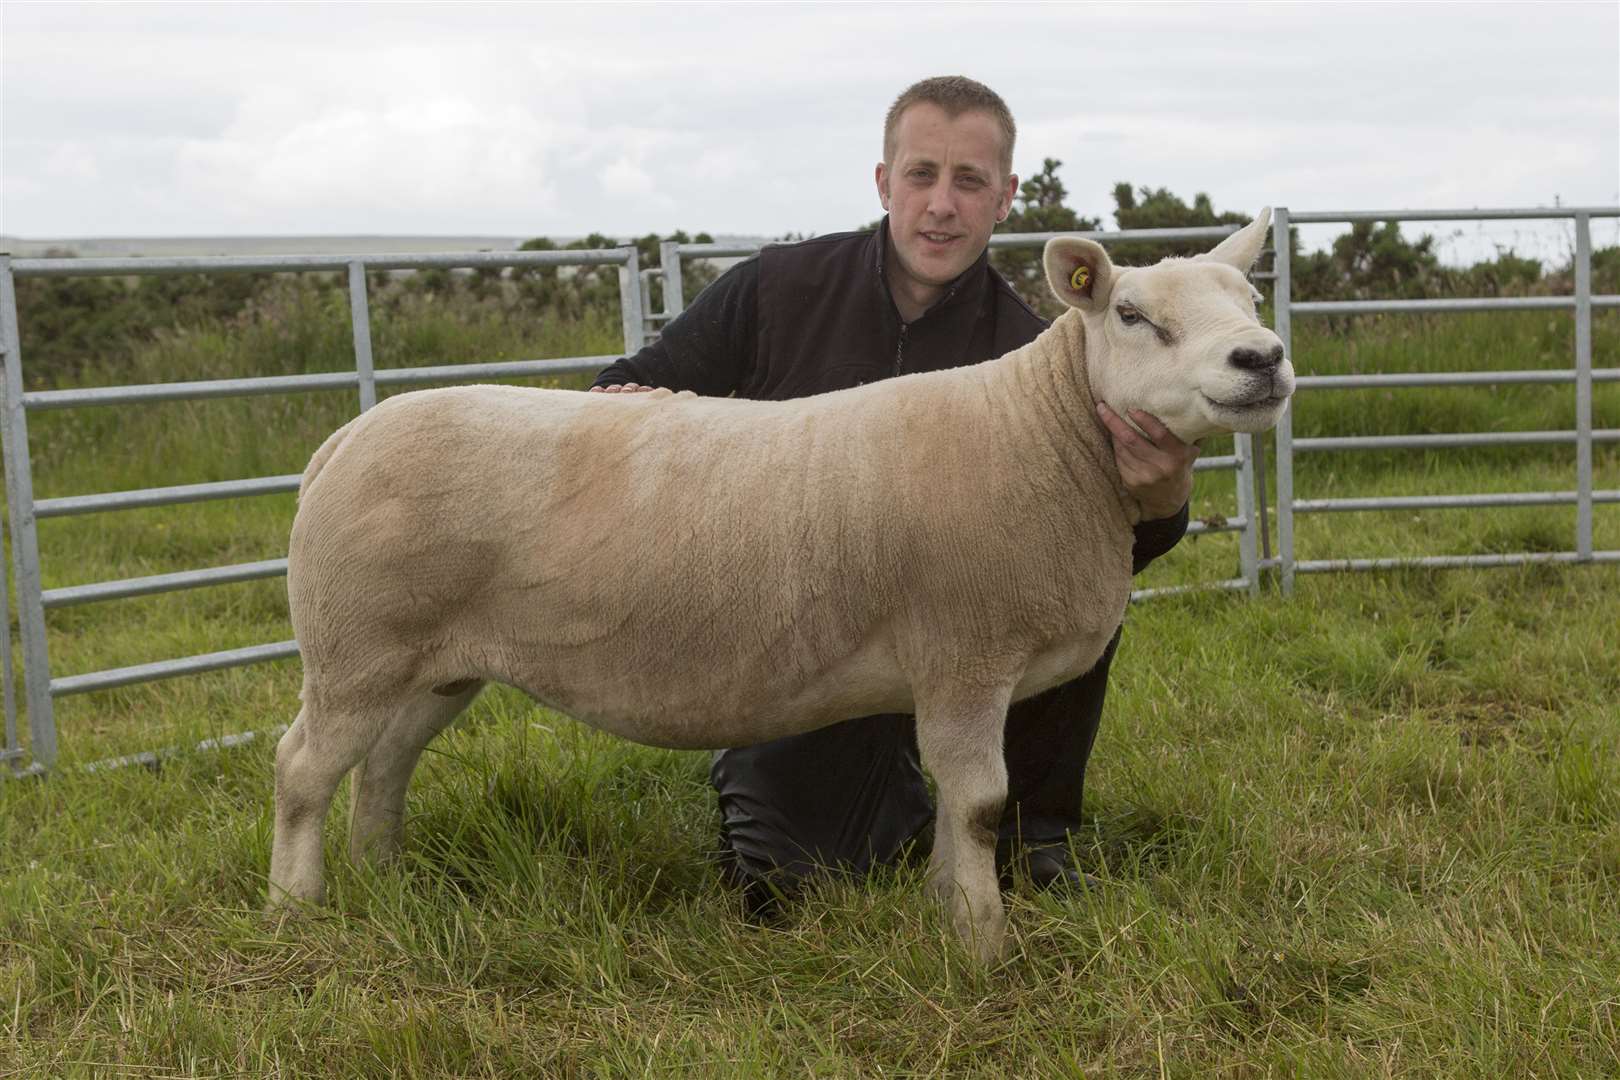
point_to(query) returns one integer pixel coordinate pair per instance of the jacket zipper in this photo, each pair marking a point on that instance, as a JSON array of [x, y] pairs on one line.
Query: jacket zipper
[[900, 350]]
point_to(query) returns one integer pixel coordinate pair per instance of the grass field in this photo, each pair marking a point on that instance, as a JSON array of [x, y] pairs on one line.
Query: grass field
[[1372, 829]]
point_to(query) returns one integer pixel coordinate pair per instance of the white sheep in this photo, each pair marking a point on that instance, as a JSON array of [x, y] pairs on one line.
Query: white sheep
[[942, 543]]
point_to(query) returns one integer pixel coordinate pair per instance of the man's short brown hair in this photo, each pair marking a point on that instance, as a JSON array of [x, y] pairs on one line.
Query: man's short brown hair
[[956, 94]]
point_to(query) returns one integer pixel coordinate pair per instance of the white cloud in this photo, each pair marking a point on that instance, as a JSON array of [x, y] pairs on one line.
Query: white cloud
[[72, 161], [522, 119], [413, 156]]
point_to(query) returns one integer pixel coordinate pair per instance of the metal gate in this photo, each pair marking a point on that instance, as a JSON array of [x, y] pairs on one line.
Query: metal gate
[[1583, 375], [1250, 521], [40, 687]]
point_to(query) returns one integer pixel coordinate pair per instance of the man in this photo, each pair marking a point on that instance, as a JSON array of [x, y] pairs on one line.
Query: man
[[838, 311]]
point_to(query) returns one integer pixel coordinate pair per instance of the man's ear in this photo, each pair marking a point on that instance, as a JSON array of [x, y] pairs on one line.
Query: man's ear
[[1009, 191], [1079, 272], [882, 184], [1242, 247]]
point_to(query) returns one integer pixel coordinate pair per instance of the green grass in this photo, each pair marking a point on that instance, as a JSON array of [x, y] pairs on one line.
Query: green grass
[[1372, 829]]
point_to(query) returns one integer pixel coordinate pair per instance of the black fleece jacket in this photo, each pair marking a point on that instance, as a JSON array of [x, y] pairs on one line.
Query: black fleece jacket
[[763, 330]]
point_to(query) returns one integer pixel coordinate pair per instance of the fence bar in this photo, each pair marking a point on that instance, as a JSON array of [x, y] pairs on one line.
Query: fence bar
[[1448, 378], [162, 583], [192, 264], [24, 531], [189, 391], [1453, 562], [1001, 240], [1117, 236], [1218, 525], [635, 331], [168, 669], [1223, 461], [1260, 500], [1451, 502], [8, 676], [164, 496], [360, 318], [669, 261], [1231, 584], [152, 758], [1430, 442], [507, 369], [1375, 307], [1333, 216], [1282, 322], [287, 384], [723, 251], [1583, 383], [1248, 554]]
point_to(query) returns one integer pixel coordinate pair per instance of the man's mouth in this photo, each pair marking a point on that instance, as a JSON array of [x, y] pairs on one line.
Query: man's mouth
[[938, 237]]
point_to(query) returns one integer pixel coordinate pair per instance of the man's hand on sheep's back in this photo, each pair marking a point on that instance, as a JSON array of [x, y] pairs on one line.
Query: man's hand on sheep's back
[[1154, 465], [623, 388]]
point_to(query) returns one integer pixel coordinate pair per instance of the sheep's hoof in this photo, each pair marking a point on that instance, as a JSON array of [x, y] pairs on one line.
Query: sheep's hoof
[[985, 939], [990, 953]]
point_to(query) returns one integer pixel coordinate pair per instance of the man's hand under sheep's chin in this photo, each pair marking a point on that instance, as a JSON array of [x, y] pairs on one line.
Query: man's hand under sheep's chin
[[1154, 465]]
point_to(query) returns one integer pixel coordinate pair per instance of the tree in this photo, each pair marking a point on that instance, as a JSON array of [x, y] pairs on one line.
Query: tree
[[571, 291], [1372, 261], [1039, 208], [1158, 208]]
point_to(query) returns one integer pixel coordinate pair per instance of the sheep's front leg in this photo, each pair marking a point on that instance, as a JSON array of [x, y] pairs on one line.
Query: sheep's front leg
[[959, 732]]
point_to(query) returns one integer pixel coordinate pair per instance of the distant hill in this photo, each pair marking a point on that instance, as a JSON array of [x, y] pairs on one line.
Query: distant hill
[[122, 246]]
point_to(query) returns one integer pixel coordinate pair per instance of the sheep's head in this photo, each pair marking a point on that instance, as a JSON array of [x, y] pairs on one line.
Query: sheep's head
[[1181, 339]]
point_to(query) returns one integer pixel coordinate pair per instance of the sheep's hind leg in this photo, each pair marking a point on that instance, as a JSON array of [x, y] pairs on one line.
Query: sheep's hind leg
[[377, 803], [311, 760], [959, 732]]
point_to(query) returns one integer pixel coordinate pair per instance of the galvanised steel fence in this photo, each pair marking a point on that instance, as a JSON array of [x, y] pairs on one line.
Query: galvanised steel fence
[[1583, 375], [41, 688], [1250, 521]]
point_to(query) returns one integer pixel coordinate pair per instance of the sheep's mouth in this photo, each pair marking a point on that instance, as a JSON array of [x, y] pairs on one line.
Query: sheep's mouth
[[1260, 404]]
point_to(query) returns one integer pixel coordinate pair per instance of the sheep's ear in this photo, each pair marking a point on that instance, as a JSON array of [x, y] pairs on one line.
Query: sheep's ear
[[1242, 247], [1078, 271]]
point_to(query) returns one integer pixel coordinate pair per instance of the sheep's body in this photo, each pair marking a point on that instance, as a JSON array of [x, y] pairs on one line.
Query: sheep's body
[[707, 572], [701, 572]]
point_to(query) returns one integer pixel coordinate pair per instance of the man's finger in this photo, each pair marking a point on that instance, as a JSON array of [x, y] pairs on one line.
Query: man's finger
[[1152, 426], [1123, 433], [1163, 438]]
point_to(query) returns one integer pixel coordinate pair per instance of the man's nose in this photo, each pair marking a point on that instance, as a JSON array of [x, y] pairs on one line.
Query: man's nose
[[940, 202]]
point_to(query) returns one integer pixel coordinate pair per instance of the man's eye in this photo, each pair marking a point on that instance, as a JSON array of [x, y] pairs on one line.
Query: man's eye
[[1129, 316]]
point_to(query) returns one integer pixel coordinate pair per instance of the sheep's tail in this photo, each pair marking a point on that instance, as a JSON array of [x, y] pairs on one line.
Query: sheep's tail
[[318, 462]]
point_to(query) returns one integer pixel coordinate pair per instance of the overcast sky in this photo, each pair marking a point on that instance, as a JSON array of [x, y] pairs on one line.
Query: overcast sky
[[169, 119]]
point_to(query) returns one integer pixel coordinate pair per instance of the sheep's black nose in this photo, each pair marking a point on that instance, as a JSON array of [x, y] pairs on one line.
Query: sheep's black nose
[[1255, 360]]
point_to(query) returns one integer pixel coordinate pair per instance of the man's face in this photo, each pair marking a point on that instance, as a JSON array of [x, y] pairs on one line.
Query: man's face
[[944, 191]]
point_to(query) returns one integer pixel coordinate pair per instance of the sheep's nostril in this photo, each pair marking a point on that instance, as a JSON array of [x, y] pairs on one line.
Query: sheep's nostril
[[1255, 360]]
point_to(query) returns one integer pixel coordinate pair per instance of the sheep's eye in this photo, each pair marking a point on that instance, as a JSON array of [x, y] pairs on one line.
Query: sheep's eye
[[1128, 315]]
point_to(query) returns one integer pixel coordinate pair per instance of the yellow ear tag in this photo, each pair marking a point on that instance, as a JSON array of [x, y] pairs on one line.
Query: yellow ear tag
[[1080, 278]]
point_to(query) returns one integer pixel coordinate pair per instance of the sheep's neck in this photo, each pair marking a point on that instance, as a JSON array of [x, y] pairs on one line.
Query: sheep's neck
[[1051, 375]]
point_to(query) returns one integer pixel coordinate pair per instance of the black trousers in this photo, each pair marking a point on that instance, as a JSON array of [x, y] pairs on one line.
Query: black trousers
[[849, 797]]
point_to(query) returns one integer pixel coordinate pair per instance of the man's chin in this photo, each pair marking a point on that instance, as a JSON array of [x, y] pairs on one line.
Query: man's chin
[[934, 269]]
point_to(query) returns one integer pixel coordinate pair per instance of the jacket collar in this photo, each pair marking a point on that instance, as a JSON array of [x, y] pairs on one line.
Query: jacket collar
[[956, 292]]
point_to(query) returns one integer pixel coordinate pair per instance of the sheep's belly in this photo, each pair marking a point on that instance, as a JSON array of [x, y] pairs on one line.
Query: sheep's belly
[[1062, 662], [752, 709]]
